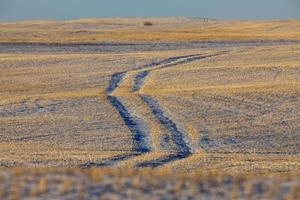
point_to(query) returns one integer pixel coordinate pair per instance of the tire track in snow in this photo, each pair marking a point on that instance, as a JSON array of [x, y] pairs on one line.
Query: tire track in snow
[[136, 126], [167, 61], [162, 160], [139, 79], [178, 137], [109, 162], [114, 82], [117, 77]]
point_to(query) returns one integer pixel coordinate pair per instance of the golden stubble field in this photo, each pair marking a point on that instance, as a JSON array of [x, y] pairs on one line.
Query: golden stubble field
[[180, 95], [133, 30]]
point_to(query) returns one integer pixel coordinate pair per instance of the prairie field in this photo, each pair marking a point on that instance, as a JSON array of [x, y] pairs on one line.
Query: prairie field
[[173, 96]]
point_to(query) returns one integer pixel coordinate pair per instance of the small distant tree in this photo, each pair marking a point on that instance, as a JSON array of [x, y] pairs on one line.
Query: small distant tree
[[148, 23]]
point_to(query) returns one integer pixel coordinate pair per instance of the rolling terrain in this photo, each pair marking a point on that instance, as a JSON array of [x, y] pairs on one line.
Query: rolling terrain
[[181, 95]]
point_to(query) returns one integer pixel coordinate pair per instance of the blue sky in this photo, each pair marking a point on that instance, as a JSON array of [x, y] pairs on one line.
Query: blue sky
[[13, 10]]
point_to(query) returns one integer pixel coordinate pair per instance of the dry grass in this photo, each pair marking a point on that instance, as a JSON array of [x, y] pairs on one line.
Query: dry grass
[[133, 184], [132, 30]]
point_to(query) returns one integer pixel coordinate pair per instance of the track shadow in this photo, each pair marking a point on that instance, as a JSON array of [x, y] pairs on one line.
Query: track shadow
[[178, 137], [115, 81], [141, 140], [108, 163], [162, 161]]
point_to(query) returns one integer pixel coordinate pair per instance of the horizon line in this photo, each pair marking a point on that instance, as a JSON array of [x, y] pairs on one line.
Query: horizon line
[[142, 17]]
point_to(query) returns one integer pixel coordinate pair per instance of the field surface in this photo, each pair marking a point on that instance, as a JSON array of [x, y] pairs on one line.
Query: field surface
[[175, 94]]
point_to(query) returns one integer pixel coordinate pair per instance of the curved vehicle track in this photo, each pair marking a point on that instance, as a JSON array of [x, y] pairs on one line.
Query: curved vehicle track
[[137, 125]]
